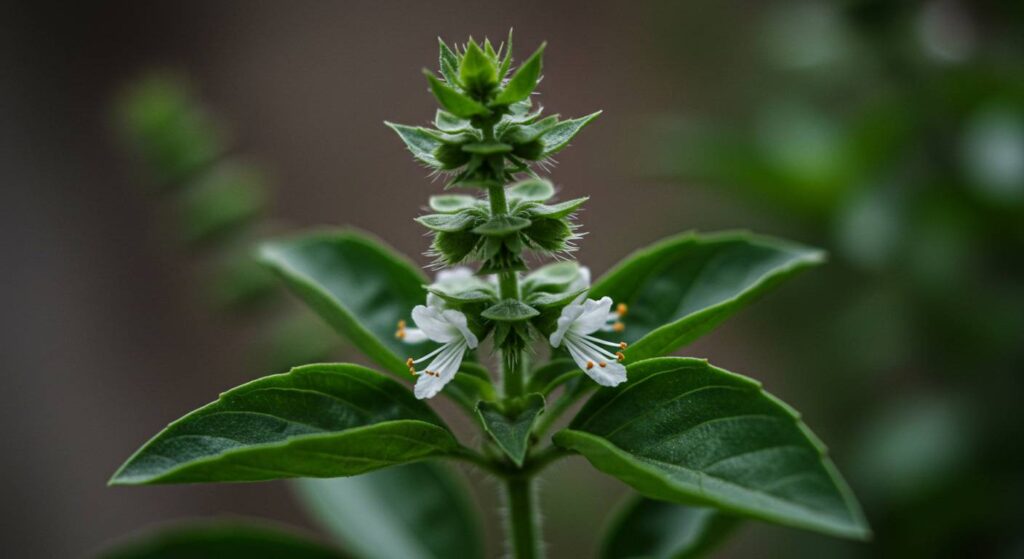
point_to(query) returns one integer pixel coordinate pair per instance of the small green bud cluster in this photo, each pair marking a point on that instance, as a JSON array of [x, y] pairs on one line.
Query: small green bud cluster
[[485, 135]]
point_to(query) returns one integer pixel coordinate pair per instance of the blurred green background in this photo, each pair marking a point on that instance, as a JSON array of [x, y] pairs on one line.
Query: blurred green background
[[890, 133]]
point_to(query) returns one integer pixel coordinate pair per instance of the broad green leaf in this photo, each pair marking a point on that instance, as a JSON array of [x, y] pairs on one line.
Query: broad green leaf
[[316, 421], [510, 427], [415, 511], [659, 530], [451, 203], [421, 143], [679, 289], [501, 225], [359, 286], [561, 209], [681, 430], [222, 201], [449, 223], [531, 190], [509, 310], [559, 135], [220, 540], [524, 81], [454, 102]]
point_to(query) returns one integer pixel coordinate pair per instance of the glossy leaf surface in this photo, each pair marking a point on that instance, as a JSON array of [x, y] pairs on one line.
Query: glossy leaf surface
[[220, 540], [681, 430], [323, 420], [660, 530], [415, 511], [680, 288], [359, 286]]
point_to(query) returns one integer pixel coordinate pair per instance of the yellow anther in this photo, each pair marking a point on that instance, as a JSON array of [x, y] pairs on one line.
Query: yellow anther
[[618, 326], [590, 365], [623, 345], [409, 362], [400, 334], [620, 356], [621, 309], [603, 364], [401, 325]]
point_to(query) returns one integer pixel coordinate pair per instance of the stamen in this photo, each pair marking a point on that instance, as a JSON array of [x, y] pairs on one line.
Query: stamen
[[618, 326], [401, 325], [400, 334], [409, 362], [590, 365], [623, 345], [621, 309], [620, 356], [603, 364]]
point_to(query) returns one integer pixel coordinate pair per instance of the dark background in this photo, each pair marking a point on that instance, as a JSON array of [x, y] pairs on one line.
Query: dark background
[[904, 354]]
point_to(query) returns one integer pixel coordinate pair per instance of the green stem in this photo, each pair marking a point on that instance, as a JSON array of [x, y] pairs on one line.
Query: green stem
[[523, 527]]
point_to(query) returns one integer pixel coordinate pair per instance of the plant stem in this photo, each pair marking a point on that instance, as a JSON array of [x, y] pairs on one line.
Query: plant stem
[[523, 527], [523, 519]]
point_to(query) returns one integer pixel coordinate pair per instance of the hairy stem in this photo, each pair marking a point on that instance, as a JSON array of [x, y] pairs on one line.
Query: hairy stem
[[523, 527]]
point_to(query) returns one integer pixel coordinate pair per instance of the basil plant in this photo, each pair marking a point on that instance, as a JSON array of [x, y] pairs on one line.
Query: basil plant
[[514, 347]]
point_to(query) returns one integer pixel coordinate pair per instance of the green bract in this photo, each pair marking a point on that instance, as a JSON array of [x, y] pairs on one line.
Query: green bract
[[705, 447]]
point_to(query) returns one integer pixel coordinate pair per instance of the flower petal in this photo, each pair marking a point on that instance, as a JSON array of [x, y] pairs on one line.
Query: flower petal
[[612, 374], [593, 316], [433, 324], [458, 320], [414, 336]]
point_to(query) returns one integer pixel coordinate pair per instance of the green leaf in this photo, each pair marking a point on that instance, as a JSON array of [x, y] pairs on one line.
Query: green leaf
[[546, 300], [524, 81], [323, 420], [454, 102], [448, 223], [556, 211], [531, 190], [421, 143], [447, 122], [220, 540], [681, 288], [465, 290], [660, 530], [681, 430], [416, 511], [172, 131], [558, 136], [358, 285], [511, 427], [509, 310], [557, 275], [222, 201], [451, 203], [501, 225]]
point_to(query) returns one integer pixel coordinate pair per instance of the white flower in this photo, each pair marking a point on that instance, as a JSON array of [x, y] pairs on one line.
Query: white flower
[[438, 323], [578, 321], [449, 328]]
